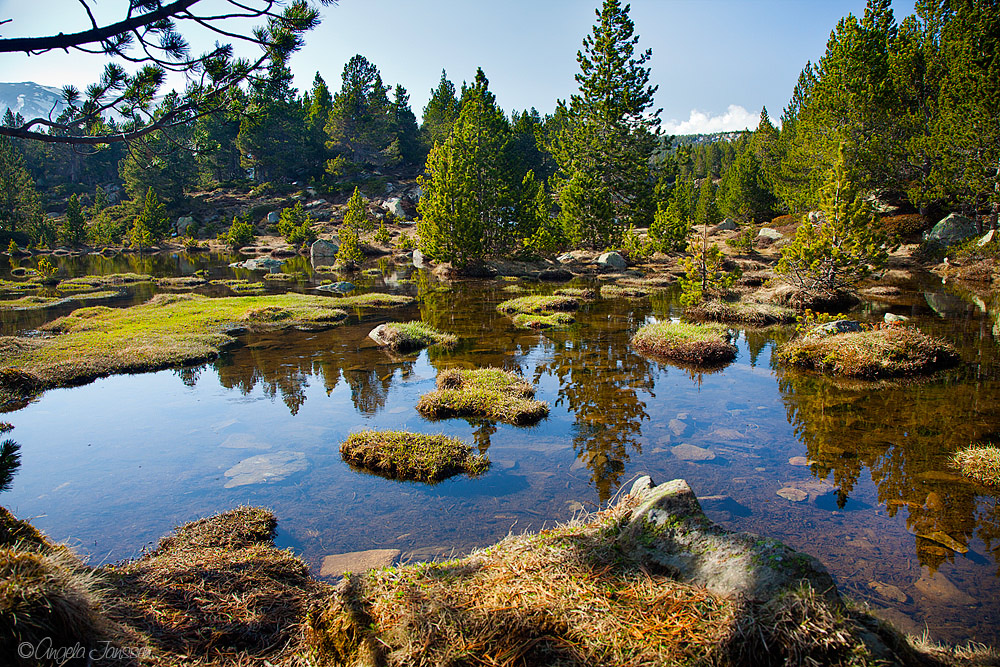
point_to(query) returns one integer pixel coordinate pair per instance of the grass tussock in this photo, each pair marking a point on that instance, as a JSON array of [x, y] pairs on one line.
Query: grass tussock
[[532, 321], [885, 352], [485, 393], [38, 302], [285, 277], [623, 292], [412, 336], [582, 293], [697, 344], [538, 304], [241, 286], [981, 463], [181, 282], [169, 330], [412, 456], [741, 312], [215, 592], [109, 280]]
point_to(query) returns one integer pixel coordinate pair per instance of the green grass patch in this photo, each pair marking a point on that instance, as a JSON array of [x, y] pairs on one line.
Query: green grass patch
[[538, 304], [582, 293], [752, 314], [697, 344], [18, 286], [981, 463], [412, 456], [285, 277], [885, 352], [38, 302], [553, 321], [181, 282], [169, 330], [623, 292], [109, 280], [241, 286], [485, 393], [411, 336]]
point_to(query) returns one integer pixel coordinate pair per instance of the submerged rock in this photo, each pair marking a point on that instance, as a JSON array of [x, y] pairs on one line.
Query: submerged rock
[[692, 453], [793, 494], [266, 468], [357, 561]]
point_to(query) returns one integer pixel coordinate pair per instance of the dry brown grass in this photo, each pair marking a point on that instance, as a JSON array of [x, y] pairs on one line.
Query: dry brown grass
[[215, 592], [886, 352], [981, 463], [485, 393], [753, 314]]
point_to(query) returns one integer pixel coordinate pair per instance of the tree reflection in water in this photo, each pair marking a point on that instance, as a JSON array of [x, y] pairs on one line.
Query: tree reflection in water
[[904, 434]]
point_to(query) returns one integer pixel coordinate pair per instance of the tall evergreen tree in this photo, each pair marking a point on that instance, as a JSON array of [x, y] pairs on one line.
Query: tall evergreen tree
[[604, 153], [272, 134], [745, 192], [20, 210], [440, 113], [361, 124], [405, 130], [467, 186], [74, 231]]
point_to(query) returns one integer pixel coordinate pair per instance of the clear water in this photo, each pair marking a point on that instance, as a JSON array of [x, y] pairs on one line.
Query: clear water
[[112, 466]]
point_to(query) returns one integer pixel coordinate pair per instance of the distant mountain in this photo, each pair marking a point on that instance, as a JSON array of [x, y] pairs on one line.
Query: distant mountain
[[695, 139], [30, 99]]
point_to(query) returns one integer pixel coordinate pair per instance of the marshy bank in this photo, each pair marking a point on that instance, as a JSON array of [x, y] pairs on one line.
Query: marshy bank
[[669, 587], [858, 476]]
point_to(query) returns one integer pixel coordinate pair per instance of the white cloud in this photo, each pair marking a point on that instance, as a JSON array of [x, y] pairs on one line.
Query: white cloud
[[735, 118]]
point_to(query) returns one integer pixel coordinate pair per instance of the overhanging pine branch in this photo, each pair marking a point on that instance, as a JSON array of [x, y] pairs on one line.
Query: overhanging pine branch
[[64, 41]]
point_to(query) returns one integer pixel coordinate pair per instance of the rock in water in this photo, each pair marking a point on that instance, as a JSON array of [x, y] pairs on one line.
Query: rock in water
[[266, 468], [612, 260], [322, 249], [692, 453], [939, 587], [357, 561], [793, 494], [834, 328], [262, 264]]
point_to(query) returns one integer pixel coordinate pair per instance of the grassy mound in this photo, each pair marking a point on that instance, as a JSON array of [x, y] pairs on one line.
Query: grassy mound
[[582, 293], [485, 393], [538, 304], [411, 336], [698, 344], [532, 321], [575, 595], [623, 292], [38, 302], [741, 312], [181, 282], [412, 456], [540, 312], [216, 591], [981, 463], [169, 330], [241, 286], [109, 280], [872, 354]]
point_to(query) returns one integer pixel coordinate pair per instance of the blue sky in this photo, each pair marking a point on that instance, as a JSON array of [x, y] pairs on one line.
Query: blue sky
[[716, 61]]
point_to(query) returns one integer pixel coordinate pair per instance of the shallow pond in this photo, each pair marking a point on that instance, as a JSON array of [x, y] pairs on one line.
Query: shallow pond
[[113, 465]]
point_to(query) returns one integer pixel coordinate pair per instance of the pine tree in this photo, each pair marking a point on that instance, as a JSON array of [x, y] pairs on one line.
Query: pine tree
[[74, 230], [361, 125], [153, 216], [843, 247], [604, 151], [356, 217], [273, 132], [440, 113], [405, 130], [707, 211], [20, 210], [467, 184], [745, 192]]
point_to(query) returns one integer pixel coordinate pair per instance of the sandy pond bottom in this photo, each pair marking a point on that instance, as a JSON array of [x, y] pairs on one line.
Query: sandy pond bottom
[[854, 476]]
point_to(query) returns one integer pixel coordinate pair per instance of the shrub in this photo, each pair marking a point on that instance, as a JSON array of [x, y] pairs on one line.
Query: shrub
[[349, 254], [872, 354], [296, 225], [412, 456], [981, 463], [382, 236], [907, 227], [240, 234]]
